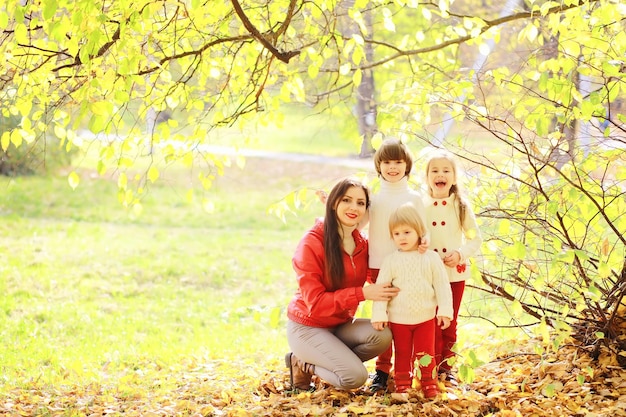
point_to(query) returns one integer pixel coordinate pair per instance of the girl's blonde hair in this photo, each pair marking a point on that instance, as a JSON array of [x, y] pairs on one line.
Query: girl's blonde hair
[[460, 201], [408, 215]]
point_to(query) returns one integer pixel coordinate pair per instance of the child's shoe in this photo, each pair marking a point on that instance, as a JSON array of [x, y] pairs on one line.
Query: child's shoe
[[379, 382], [430, 390], [401, 389]]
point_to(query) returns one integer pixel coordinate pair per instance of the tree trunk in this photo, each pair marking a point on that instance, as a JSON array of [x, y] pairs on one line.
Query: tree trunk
[[365, 108]]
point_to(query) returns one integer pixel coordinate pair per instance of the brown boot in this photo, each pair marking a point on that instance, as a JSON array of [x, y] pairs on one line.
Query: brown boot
[[300, 373]]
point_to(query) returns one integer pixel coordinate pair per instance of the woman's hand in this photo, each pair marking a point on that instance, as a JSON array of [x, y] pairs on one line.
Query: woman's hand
[[379, 325], [380, 292]]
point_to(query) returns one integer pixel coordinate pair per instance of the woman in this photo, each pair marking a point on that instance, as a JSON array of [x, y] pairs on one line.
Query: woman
[[331, 267]]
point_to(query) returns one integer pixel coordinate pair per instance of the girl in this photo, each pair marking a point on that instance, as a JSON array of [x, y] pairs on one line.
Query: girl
[[331, 268], [455, 237], [424, 291]]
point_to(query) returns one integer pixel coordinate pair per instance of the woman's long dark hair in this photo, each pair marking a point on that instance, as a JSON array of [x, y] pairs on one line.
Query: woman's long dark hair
[[333, 250]]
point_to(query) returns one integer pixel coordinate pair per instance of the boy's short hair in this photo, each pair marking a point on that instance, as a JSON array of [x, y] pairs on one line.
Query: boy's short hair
[[392, 149], [407, 214]]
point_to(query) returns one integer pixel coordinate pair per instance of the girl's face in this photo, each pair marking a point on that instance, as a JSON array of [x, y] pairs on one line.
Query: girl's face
[[351, 207], [405, 237], [441, 177], [393, 171]]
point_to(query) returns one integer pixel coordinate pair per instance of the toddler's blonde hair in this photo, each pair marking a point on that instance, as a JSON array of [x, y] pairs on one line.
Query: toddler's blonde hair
[[408, 215]]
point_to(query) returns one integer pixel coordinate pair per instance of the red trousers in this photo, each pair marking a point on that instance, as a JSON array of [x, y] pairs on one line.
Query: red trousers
[[412, 342], [445, 339]]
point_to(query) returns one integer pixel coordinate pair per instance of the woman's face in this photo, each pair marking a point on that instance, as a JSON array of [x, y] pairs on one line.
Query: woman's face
[[351, 207]]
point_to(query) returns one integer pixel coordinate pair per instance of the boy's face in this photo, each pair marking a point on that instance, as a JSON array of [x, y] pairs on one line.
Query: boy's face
[[393, 171]]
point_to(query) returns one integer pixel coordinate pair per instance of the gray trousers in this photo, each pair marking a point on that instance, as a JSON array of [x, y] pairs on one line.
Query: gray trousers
[[338, 352]]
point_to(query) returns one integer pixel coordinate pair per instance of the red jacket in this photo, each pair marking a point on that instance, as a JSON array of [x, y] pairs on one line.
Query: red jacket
[[313, 304]]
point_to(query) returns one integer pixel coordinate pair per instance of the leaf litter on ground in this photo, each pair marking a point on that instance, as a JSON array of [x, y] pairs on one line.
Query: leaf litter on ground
[[565, 382]]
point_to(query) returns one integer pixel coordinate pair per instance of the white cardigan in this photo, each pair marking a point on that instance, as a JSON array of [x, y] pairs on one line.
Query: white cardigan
[[446, 234]]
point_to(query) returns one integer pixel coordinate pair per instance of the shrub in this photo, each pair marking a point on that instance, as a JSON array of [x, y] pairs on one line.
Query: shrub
[[41, 156]]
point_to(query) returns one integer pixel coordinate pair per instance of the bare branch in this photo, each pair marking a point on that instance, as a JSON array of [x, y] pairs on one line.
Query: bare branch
[[263, 39]]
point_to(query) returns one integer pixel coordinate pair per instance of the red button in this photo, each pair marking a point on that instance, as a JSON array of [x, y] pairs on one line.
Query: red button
[[434, 223], [435, 203], [444, 202], [444, 250], [443, 223]]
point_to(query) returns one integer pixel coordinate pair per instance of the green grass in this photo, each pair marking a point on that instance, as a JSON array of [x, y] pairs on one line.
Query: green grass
[[91, 289], [86, 283]]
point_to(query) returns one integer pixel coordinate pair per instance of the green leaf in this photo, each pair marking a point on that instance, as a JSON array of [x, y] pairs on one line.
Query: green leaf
[[515, 251], [50, 8], [4, 20], [466, 374], [425, 360]]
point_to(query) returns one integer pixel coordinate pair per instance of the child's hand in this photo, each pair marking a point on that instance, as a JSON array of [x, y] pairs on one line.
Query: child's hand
[[453, 259], [443, 322], [379, 325], [321, 194], [423, 246]]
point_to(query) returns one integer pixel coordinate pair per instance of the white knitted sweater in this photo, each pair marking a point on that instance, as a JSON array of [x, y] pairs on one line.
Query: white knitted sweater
[[423, 284], [383, 203]]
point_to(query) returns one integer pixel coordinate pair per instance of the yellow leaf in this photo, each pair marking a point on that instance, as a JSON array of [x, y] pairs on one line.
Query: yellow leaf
[[73, 179], [605, 247], [16, 137], [189, 196], [122, 181], [153, 174], [101, 108], [59, 131], [5, 141], [137, 209]]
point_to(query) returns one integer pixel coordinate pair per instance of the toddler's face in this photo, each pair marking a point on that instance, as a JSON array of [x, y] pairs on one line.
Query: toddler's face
[[405, 237]]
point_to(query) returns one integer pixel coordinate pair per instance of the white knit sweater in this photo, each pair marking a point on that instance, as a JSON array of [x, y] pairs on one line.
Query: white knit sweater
[[383, 203], [423, 286], [446, 234]]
